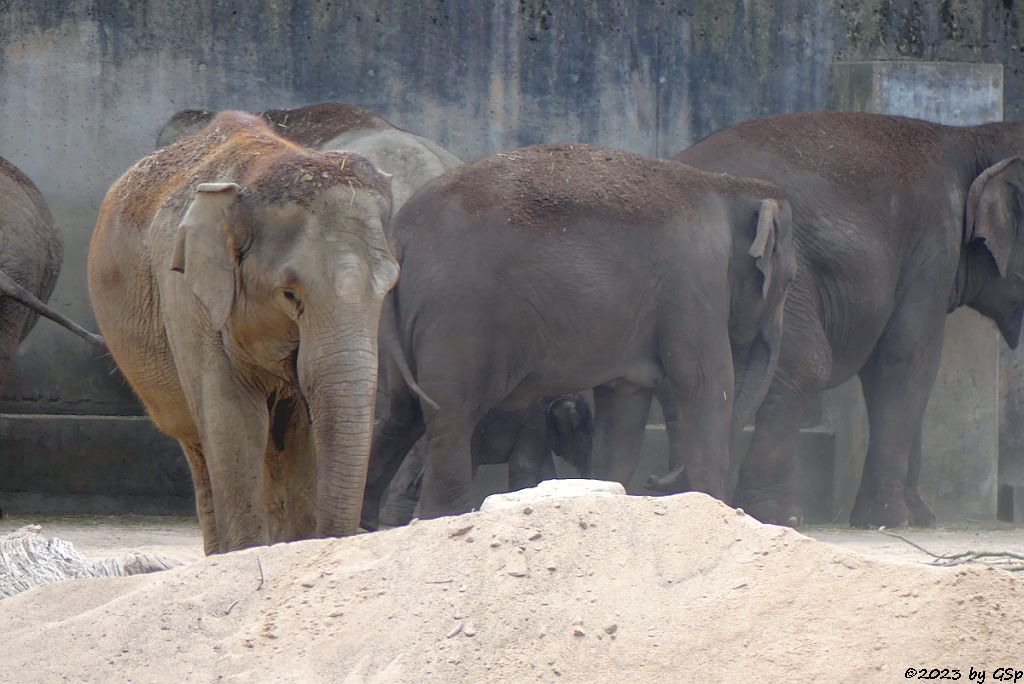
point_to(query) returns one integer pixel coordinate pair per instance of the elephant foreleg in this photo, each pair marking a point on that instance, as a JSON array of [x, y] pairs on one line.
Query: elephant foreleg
[[234, 425], [204, 495], [698, 416], [290, 474]]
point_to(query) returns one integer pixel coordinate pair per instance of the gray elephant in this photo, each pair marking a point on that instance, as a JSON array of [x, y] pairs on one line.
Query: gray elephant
[[896, 221], [555, 268], [238, 280], [30, 259], [527, 440], [412, 160]]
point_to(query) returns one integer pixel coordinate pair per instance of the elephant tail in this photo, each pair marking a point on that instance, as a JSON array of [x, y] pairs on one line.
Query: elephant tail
[[12, 289], [389, 338]]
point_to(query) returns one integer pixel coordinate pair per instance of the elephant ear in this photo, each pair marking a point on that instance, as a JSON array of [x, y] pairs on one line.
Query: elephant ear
[[204, 250], [764, 249], [775, 258], [995, 209]]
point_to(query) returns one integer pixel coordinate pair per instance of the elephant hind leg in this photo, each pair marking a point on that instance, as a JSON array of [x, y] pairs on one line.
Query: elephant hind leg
[[14, 319], [448, 462], [393, 437], [897, 382], [204, 494], [620, 417]]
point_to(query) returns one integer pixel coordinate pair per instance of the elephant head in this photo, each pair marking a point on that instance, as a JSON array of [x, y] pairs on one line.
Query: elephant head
[[572, 424], [763, 266], [291, 267], [992, 270], [182, 124]]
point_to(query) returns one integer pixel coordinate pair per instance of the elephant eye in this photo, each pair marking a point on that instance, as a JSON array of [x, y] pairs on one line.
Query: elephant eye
[[290, 302]]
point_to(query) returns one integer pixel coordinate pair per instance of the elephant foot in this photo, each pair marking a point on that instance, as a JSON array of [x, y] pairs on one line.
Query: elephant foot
[[672, 482], [877, 509], [920, 514], [771, 510], [369, 520]]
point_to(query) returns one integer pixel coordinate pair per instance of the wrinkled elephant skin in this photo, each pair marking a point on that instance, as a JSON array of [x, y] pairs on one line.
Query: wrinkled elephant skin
[[238, 279], [896, 222], [588, 267]]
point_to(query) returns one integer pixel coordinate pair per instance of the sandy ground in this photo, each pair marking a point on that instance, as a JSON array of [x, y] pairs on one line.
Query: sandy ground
[[99, 536], [584, 589]]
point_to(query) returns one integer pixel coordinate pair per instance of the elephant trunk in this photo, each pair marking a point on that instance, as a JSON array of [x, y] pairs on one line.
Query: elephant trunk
[[755, 365], [338, 375]]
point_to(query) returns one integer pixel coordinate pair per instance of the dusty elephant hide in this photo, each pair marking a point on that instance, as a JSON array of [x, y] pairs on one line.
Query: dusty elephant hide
[[28, 558]]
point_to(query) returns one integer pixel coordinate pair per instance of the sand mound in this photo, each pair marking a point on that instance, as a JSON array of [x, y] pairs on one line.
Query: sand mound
[[594, 589]]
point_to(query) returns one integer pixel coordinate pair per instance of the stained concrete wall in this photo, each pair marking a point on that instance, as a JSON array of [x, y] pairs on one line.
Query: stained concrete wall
[[86, 84]]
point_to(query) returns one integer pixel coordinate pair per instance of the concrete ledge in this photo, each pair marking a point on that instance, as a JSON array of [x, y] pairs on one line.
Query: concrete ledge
[[32, 503], [70, 464]]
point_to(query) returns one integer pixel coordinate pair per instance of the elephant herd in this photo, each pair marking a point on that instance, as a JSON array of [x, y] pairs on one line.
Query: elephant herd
[[256, 275]]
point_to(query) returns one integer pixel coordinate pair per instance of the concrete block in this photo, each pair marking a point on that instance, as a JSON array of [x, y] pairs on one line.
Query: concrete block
[[552, 489], [957, 93], [63, 465], [961, 427], [1011, 503]]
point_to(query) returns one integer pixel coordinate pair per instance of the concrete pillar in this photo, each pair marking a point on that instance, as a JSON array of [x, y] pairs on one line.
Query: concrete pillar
[[961, 428]]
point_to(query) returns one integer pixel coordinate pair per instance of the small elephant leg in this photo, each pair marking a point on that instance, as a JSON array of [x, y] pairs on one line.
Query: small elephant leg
[[204, 495], [529, 453], [620, 418], [897, 381]]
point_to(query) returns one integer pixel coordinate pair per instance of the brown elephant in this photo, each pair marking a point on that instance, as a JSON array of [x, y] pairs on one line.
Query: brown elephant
[[412, 160], [30, 259], [238, 279]]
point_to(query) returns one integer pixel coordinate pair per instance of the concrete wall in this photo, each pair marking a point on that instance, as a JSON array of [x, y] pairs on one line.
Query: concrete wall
[[85, 86]]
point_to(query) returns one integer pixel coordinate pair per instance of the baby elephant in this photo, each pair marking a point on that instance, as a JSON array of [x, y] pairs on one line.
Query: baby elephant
[[527, 440]]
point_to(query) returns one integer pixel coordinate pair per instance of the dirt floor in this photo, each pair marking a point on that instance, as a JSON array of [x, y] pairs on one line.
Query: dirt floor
[[99, 536], [572, 589]]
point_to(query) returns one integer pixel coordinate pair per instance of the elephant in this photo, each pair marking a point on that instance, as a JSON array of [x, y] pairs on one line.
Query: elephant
[[239, 279], [31, 253], [557, 268], [524, 439], [897, 222], [411, 160]]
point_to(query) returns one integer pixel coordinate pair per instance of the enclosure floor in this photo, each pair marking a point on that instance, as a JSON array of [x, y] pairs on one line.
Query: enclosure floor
[[100, 536]]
